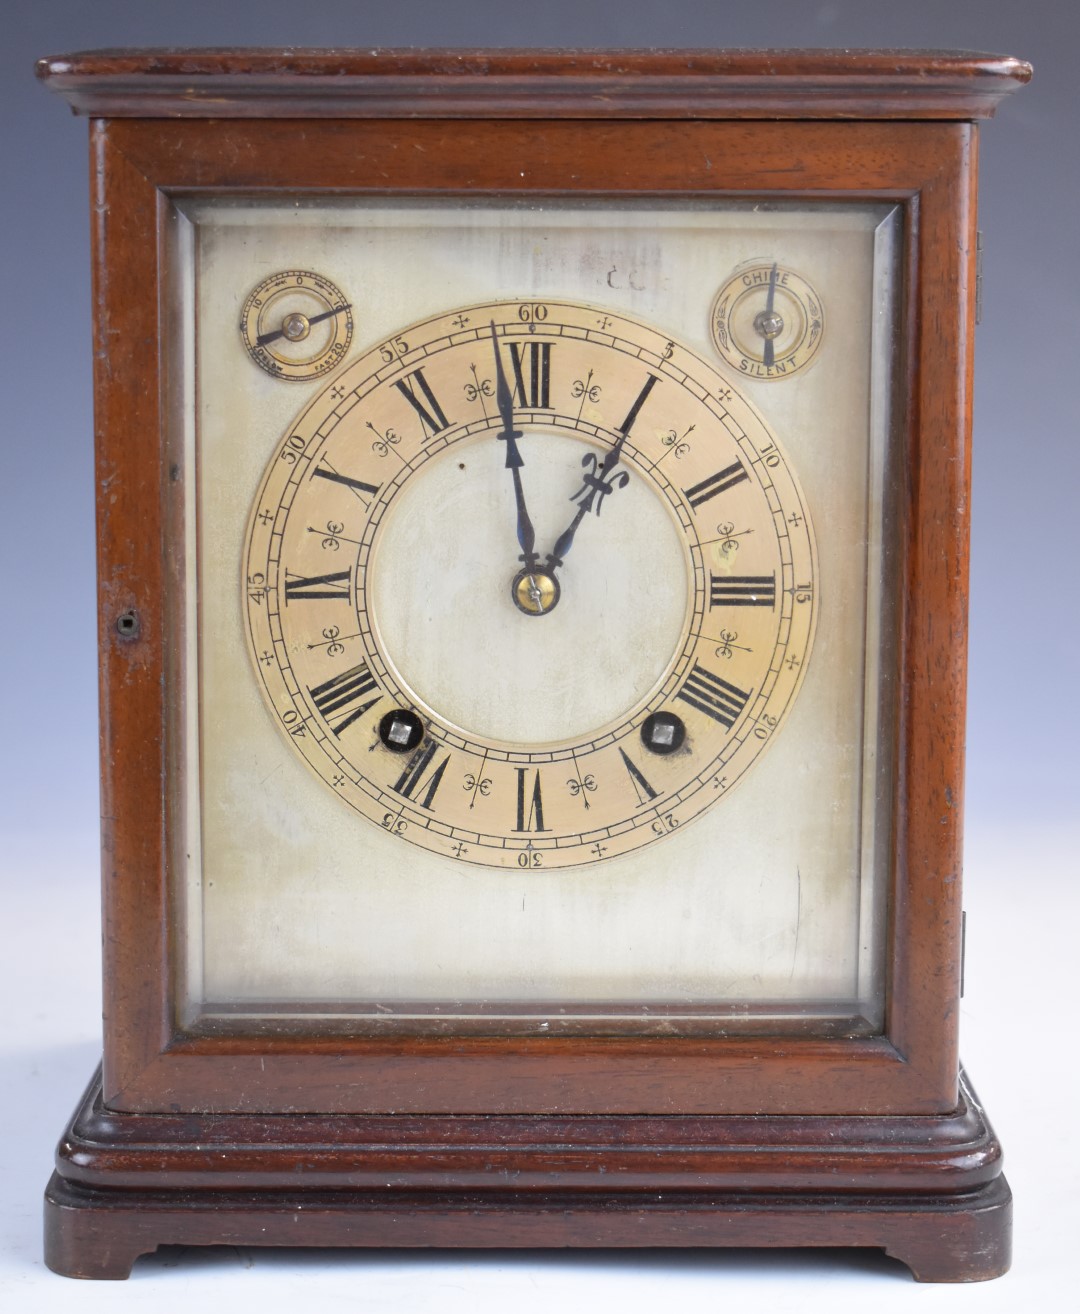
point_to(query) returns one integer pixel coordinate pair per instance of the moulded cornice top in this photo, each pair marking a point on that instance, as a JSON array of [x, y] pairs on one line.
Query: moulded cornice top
[[541, 84]]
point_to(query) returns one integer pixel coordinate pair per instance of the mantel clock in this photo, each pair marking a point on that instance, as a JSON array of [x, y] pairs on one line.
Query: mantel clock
[[532, 558]]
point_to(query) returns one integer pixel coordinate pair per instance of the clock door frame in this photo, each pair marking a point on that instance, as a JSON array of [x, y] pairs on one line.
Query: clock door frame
[[150, 1062]]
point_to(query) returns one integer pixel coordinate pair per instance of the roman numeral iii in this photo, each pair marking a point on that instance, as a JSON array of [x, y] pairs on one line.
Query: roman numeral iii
[[742, 590]]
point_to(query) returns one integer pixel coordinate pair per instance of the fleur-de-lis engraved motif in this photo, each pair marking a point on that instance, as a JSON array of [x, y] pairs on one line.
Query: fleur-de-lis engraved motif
[[332, 542], [479, 387], [584, 390], [333, 641], [333, 647], [578, 786], [477, 783], [677, 444], [728, 644], [729, 536], [385, 440]]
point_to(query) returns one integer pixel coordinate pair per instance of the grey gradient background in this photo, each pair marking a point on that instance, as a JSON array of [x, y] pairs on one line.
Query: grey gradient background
[[1022, 822]]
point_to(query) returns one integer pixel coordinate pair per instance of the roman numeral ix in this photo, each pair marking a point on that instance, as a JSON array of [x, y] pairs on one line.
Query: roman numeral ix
[[317, 586]]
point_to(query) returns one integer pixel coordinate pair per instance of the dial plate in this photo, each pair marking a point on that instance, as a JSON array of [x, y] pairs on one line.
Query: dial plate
[[715, 527]]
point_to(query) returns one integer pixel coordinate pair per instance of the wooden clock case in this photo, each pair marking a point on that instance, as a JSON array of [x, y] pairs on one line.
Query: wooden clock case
[[204, 1137]]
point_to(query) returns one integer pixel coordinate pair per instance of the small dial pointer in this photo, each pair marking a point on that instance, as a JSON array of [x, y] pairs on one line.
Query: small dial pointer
[[284, 332], [770, 353]]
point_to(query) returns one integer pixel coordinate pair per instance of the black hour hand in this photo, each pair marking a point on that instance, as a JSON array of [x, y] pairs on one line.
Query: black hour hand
[[598, 482], [600, 479]]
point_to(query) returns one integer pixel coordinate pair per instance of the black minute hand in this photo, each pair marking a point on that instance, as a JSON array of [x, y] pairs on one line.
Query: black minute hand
[[505, 401]]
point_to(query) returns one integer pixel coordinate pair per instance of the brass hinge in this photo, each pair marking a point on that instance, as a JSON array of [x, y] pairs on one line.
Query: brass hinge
[[978, 276]]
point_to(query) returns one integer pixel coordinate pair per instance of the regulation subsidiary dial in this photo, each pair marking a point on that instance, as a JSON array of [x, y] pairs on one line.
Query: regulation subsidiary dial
[[297, 325]]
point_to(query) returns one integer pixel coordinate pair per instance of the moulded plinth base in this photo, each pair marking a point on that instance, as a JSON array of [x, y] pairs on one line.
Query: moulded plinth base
[[128, 1183]]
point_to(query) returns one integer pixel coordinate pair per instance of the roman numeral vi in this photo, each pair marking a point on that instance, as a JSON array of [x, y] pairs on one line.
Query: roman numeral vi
[[530, 804]]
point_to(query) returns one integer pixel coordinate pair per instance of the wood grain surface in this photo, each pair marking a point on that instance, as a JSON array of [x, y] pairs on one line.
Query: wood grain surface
[[666, 84]]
